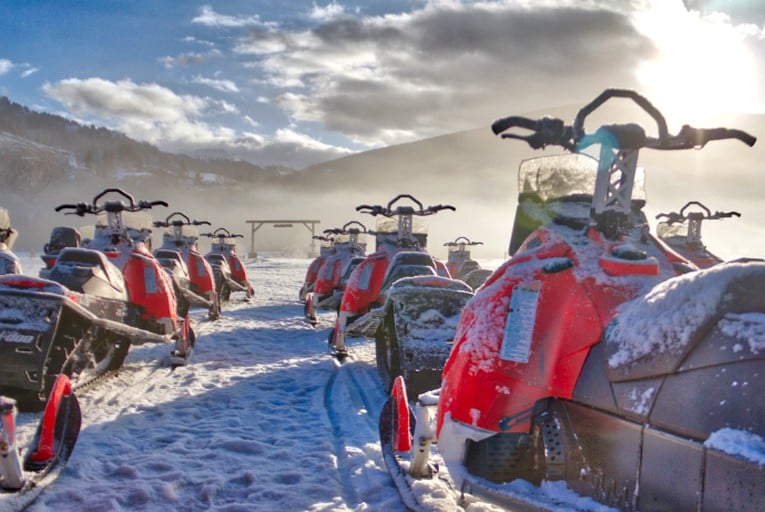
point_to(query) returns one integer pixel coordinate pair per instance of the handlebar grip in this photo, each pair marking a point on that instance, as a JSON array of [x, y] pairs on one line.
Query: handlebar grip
[[65, 207], [201, 223], [501, 125], [698, 137]]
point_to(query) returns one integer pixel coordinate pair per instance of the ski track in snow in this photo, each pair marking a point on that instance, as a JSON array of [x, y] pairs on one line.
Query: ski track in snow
[[262, 418]]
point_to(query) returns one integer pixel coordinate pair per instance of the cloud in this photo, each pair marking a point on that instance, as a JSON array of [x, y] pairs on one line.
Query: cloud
[[210, 18], [330, 11], [178, 123], [5, 66], [29, 71], [189, 58], [217, 84], [447, 66], [452, 65]]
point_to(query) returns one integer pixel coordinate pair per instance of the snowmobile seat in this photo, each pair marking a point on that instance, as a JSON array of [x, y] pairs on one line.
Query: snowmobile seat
[[466, 267], [60, 238], [401, 271], [412, 258], [76, 268]]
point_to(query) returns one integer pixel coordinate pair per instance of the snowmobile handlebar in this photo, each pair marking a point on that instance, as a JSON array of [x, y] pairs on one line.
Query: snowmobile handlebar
[[183, 221], [361, 228], [222, 233], [681, 216], [461, 240], [95, 208], [548, 131], [390, 211]]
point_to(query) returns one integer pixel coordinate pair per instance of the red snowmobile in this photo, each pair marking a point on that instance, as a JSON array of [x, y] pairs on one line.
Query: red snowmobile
[[230, 274], [594, 357], [96, 301], [50, 448], [682, 232], [179, 254], [325, 250], [347, 251], [396, 232], [397, 297], [461, 266]]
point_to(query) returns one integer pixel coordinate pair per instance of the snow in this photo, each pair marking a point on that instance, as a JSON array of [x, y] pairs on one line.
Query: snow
[[748, 327], [665, 320], [738, 442]]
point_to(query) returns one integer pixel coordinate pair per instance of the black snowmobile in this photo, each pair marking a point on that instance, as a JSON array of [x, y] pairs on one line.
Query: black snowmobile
[[81, 320]]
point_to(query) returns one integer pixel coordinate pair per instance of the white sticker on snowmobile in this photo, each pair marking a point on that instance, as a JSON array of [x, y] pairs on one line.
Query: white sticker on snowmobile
[[519, 328], [149, 279], [366, 275]]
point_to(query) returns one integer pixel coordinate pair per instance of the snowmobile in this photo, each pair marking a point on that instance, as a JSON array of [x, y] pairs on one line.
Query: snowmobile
[[230, 274], [50, 449], [397, 297], [347, 251], [461, 266], [179, 254], [597, 356], [96, 301], [459, 254], [325, 250], [9, 262], [682, 232]]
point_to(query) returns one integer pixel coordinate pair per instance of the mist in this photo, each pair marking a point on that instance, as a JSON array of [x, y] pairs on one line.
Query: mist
[[474, 171]]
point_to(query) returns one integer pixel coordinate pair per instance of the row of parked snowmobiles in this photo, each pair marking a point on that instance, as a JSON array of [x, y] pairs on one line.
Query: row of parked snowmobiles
[[622, 364], [400, 296], [101, 290]]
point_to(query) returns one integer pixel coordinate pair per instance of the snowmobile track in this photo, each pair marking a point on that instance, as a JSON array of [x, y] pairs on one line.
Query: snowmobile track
[[349, 492]]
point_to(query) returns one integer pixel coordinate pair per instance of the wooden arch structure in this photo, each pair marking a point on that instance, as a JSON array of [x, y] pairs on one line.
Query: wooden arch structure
[[257, 224]]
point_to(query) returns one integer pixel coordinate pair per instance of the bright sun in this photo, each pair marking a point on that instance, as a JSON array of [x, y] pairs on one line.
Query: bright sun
[[703, 68]]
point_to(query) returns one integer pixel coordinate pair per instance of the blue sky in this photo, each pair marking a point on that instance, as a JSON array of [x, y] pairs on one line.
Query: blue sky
[[295, 83]]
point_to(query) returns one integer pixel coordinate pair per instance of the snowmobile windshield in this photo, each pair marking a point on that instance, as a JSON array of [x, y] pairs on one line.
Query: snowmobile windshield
[[342, 239], [186, 231], [674, 230], [559, 188], [138, 221], [566, 177], [390, 225]]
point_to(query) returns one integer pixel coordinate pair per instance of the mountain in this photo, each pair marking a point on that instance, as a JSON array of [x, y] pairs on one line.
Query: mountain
[[41, 149], [59, 161]]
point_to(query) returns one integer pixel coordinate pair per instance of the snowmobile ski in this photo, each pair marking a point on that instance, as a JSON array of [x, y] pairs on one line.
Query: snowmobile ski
[[51, 447]]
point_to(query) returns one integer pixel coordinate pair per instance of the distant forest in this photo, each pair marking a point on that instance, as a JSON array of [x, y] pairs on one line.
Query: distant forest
[[40, 149]]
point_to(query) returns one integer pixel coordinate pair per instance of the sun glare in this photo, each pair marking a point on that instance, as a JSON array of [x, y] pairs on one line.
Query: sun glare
[[702, 68]]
